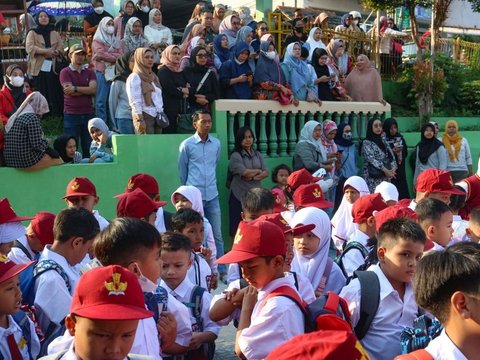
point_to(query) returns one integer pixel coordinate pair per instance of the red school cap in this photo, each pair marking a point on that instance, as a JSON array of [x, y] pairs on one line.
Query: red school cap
[[301, 177], [109, 293], [42, 226], [279, 200], [9, 269], [145, 182], [136, 204], [435, 180], [311, 195], [365, 207], [322, 344], [80, 186], [8, 215], [253, 239], [278, 220], [393, 212]]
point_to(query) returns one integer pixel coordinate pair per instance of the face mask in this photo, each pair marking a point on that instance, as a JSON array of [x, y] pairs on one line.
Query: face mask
[[145, 8], [342, 52], [239, 62], [299, 28], [110, 30], [356, 22], [146, 284], [98, 10], [347, 136], [271, 55], [17, 81]]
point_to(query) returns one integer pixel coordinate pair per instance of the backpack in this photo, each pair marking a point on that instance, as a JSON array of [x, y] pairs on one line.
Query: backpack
[[421, 354], [17, 244], [22, 321], [370, 259], [424, 330], [207, 350], [350, 246], [154, 299]]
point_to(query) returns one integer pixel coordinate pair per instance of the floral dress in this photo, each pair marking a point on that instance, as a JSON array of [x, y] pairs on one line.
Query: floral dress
[[373, 155]]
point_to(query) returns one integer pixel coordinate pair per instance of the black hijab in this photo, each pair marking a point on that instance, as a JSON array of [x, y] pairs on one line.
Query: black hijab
[[18, 93], [377, 139], [122, 69], [194, 66], [320, 70], [339, 140], [427, 147], [60, 144], [93, 18], [44, 30]]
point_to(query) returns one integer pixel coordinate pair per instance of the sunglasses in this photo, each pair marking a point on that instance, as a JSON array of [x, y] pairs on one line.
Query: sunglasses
[[201, 56]]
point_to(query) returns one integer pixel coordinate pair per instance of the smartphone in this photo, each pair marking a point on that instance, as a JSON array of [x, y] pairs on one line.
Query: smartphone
[[340, 151]]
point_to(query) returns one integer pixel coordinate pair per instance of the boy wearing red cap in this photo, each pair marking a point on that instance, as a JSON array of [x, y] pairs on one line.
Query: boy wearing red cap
[[82, 192], [74, 230], [259, 247], [435, 218], [138, 205], [13, 340], [356, 249], [106, 308], [39, 233], [400, 247], [11, 227]]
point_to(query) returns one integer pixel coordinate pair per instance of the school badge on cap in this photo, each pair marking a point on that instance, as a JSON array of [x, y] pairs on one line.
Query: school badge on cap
[[75, 186], [116, 287], [238, 236], [317, 193], [130, 184]]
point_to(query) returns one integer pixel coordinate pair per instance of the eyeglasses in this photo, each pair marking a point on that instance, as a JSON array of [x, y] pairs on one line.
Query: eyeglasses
[[235, 23], [263, 28], [201, 56]]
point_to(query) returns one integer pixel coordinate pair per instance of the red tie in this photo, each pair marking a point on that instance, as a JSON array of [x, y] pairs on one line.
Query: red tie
[[12, 346]]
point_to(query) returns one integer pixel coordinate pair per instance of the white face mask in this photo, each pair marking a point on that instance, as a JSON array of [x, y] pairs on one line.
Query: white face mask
[[270, 55], [98, 10], [356, 22], [17, 81], [110, 30], [145, 8], [146, 284]]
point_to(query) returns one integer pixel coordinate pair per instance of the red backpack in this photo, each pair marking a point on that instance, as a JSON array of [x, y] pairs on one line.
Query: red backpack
[[421, 354]]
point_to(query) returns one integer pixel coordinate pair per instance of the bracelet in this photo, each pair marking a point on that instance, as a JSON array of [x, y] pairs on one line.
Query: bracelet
[[74, 89]]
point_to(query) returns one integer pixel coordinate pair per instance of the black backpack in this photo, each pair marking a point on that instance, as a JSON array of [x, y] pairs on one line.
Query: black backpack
[[352, 245]]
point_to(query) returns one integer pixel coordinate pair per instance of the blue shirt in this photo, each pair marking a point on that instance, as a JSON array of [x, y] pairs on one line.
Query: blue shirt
[[197, 162], [349, 161]]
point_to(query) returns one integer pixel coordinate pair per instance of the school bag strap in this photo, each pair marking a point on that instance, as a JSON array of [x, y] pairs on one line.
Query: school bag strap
[[22, 321], [139, 357], [352, 245], [56, 356], [330, 312], [155, 300], [46, 265], [369, 300], [17, 244], [288, 292], [326, 275], [195, 305], [421, 354]]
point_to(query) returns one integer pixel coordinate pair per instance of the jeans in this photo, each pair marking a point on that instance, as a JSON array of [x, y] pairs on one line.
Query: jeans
[[125, 126], [76, 125], [101, 98], [213, 214]]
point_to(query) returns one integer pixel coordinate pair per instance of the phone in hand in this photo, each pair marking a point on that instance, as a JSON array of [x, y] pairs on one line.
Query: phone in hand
[[340, 151]]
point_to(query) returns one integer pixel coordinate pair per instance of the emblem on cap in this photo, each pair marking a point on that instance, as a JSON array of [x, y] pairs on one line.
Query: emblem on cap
[[130, 184], [75, 186], [116, 287], [3, 258], [317, 193], [238, 237]]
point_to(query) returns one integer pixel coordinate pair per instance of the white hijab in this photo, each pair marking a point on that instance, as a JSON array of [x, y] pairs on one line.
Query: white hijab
[[343, 226], [387, 190], [193, 195], [306, 134], [104, 37], [313, 266], [314, 44], [35, 103]]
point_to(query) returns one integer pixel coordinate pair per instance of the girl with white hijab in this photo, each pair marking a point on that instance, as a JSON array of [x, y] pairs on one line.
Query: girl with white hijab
[[315, 41], [343, 226], [388, 191], [311, 252]]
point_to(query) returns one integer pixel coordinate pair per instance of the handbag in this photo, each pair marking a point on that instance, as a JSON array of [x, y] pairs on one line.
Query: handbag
[[61, 62], [162, 120], [377, 173], [185, 119]]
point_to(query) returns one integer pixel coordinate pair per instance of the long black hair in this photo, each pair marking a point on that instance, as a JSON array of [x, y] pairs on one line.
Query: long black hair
[[240, 136]]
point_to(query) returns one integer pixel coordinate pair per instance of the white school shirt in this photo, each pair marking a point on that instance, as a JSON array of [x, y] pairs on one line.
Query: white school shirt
[[459, 227], [233, 272], [200, 272], [336, 280], [70, 355], [273, 322], [136, 99], [382, 340], [442, 348], [160, 221], [184, 323], [354, 258], [17, 255], [235, 315], [102, 222], [14, 328], [183, 293], [52, 298], [305, 288], [209, 242]]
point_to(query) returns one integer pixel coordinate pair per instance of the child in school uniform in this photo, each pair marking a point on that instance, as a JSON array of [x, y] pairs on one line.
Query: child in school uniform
[[136, 245], [138, 205], [39, 233], [82, 192], [190, 223], [11, 227], [74, 230], [363, 215], [104, 315], [265, 322], [176, 250], [187, 196], [14, 338], [435, 218], [473, 229], [452, 296], [400, 247], [459, 225]]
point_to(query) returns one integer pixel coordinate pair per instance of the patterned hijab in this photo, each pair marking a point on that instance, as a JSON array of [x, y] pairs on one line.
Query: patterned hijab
[[35, 103], [131, 41]]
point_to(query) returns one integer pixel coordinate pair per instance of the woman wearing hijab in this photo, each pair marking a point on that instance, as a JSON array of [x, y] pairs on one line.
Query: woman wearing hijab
[[343, 226], [126, 12], [236, 76], [66, 146], [218, 15], [101, 145], [158, 35], [118, 105], [174, 85], [142, 11], [309, 151], [315, 41], [106, 50], [230, 26], [203, 82], [221, 50], [313, 262], [13, 92], [198, 30], [43, 46], [348, 161], [133, 38], [324, 75], [346, 24], [297, 74], [379, 161], [399, 147], [339, 59], [245, 35], [430, 152], [297, 35], [364, 82], [459, 156], [91, 21], [25, 144], [26, 24], [144, 93], [192, 44]]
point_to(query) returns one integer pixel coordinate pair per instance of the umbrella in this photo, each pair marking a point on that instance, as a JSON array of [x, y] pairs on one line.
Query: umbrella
[[62, 8]]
